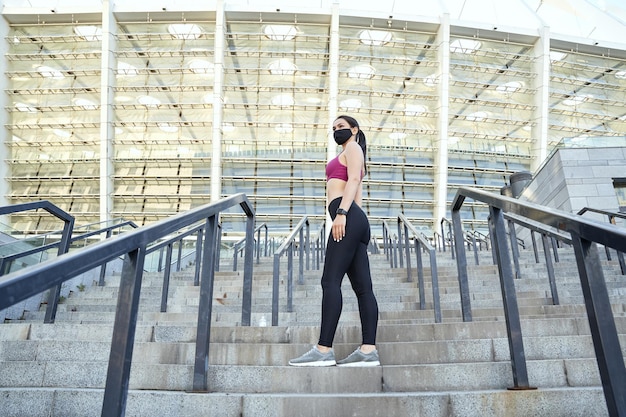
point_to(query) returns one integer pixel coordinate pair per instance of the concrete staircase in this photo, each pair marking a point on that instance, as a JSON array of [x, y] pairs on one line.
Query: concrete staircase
[[447, 369]]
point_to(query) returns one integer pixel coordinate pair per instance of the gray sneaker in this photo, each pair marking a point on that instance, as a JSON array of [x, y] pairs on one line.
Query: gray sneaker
[[360, 359], [315, 358]]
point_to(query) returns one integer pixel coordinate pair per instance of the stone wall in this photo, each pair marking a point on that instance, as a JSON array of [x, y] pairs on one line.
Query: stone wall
[[574, 178]]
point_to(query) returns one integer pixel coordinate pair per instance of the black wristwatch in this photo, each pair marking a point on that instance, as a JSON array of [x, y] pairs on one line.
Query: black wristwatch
[[342, 211]]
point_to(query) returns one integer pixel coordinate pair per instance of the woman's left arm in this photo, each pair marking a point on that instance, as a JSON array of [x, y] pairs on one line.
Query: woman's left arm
[[354, 162]]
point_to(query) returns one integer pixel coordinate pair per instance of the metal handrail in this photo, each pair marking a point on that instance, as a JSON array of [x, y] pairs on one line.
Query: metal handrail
[[289, 245], [64, 245], [257, 245], [584, 235], [421, 244], [546, 233], [390, 245], [469, 238], [20, 285], [168, 245], [318, 246], [611, 216], [5, 262], [443, 234]]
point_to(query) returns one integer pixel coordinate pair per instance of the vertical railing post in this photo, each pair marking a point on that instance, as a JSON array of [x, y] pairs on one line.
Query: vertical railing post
[[257, 246], [179, 255], [103, 267], [275, 289], [514, 249], [407, 252], [301, 256], [196, 275], [452, 239], [160, 264], [555, 249], [205, 307], [602, 324], [550, 269], [400, 244], [308, 247], [218, 248], [475, 249], [461, 264], [235, 255], [396, 249], [55, 293], [509, 299], [123, 339], [443, 237], [166, 278], [420, 274], [532, 236], [290, 278], [248, 264], [435, 283]]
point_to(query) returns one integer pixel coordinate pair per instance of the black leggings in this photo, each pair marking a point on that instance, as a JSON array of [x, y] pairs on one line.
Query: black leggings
[[348, 256]]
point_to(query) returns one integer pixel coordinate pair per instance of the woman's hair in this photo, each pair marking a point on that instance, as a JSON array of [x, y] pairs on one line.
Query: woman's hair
[[360, 137]]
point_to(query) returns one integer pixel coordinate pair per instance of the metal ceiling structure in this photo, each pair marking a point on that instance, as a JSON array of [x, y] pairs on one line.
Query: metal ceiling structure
[[144, 109]]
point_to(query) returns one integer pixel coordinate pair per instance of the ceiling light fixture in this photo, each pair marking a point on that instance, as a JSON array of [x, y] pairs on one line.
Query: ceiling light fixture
[[375, 37], [361, 72], [465, 46], [280, 32], [185, 31], [89, 33]]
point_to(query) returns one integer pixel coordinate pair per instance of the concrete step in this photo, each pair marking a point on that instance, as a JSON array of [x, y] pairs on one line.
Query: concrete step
[[71, 402], [279, 354], [86, 373], [492, 312], [387, 333], [446, 369]]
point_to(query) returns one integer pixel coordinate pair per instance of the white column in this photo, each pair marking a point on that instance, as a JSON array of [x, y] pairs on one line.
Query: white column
[[5, 137], [107, 132], [333, 77], [333, 89], [218, 101], [441, 157], [541, 100]]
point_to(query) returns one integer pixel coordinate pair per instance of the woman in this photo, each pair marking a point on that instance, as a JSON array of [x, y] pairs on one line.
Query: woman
[[346, 252]]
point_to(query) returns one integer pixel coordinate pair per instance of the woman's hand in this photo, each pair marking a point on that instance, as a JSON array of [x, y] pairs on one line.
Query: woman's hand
[[339, 227]]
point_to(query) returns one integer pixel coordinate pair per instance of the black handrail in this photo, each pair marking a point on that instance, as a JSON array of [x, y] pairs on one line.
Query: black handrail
[[584, 235], [546, 232], [168, 244], [318, 247], [421, 243], [469, 238], [109, 232], [390, 245], [64, 245], [611, 216], [5, 262], [289, 245], [257, 245], [449, 234], [23, 284]]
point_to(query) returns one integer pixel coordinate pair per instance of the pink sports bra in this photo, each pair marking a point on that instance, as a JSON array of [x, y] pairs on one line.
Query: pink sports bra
[[334, 169]]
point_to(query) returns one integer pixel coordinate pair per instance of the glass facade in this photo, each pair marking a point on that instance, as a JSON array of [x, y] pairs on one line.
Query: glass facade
[[157, 113]]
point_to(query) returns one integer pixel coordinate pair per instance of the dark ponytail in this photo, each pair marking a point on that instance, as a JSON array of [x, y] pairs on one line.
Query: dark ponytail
[[360, 137]]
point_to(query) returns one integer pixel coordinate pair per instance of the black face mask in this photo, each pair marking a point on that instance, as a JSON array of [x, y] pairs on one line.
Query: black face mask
[[342, 135]]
